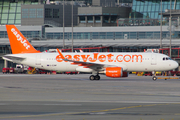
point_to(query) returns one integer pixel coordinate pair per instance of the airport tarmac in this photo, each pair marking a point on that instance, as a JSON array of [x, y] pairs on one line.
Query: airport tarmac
[[75, 97]]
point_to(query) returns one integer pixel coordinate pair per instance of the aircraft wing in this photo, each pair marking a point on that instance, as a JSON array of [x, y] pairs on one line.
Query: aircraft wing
[[92, 65]]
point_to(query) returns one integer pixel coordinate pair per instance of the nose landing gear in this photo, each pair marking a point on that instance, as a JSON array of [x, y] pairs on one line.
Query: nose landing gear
[[154, 78], [154, 75]]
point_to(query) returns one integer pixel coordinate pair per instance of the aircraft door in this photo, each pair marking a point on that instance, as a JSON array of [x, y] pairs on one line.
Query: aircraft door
[[153, 59]]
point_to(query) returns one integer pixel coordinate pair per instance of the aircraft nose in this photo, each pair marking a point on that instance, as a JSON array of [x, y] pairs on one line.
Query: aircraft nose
[[175, 64]]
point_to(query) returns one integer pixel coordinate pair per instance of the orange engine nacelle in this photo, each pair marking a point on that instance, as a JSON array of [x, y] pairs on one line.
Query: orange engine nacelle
[[115, 72]]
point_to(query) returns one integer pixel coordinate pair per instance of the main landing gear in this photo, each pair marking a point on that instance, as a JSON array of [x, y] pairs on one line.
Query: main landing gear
[[94, 77]]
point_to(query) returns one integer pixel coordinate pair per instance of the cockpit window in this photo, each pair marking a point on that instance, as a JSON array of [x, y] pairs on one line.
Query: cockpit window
[[169, 58], [166, 58]]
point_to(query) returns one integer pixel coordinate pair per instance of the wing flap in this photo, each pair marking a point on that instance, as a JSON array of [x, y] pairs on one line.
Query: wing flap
[[86, 64]]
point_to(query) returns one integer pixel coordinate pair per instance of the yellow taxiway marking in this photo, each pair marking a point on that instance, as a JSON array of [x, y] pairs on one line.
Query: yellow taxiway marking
[[168, 78]]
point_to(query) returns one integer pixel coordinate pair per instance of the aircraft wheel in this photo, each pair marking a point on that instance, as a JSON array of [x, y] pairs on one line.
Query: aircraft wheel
[[92, 77], [97, 77], [154, 78]]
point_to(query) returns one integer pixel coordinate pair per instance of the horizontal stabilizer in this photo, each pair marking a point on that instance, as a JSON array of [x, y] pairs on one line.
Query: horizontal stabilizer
[[13, 58]]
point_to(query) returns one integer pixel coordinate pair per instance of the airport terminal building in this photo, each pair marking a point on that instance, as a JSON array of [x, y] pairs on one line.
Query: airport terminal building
[[114, 25]]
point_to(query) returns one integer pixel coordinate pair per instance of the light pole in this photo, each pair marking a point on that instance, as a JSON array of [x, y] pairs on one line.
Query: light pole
[[170, 31], [161, 28], [63, 27], [72, 26]]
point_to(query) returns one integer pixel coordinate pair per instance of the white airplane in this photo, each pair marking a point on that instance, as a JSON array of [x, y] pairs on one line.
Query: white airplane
[[112, 64]]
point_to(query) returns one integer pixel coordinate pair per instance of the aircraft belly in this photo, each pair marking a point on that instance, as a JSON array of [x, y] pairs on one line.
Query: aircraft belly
[[146, 67], [66, 66]]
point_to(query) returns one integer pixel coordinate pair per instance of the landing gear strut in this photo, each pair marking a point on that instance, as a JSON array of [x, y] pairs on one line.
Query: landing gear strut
[[94, 77], [154, 77]]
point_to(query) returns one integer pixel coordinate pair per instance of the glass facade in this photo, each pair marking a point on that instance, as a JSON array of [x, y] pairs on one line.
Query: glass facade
[[151, 8], [27, 34], [10, 11], [88, 2], [32, 13], [48, 13], [114, 35], [146, 13]]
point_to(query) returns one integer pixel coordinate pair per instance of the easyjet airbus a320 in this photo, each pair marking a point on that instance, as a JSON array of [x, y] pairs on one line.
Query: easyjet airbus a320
[[114, 64]]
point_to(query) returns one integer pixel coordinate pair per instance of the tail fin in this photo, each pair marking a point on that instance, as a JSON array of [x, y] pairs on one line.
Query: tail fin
[[19, 44]]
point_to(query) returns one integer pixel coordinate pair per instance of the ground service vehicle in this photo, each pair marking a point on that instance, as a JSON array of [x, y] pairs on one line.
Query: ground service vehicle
[[5, 70]]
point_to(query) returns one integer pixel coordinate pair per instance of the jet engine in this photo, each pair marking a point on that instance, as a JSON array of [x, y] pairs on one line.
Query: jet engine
[[115, 72], [125, 74]]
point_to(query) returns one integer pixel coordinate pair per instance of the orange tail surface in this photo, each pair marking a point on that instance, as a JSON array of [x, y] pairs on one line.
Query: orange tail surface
[[19, 44]]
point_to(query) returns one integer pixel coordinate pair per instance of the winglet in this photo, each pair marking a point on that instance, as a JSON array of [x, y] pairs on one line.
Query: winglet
[[61, 54], [19, 44], [81, 51]]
